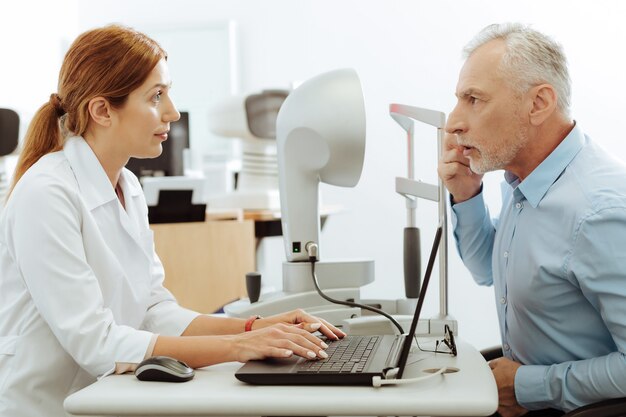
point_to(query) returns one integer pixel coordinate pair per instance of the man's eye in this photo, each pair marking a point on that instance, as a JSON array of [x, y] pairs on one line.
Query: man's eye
[[472, 100]]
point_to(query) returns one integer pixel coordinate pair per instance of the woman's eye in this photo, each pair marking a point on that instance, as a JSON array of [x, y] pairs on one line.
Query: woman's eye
[[157, 97]]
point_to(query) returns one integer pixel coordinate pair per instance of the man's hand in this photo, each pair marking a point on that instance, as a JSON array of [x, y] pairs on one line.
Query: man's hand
[[454, 170], [504, 372]]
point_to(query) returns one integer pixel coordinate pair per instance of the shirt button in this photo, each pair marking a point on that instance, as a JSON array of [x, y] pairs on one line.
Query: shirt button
[[503, 300], [506, 347], [506, 254], [519, 205]]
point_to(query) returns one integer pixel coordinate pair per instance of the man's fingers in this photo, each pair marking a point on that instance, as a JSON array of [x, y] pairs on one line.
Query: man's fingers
[[454, 155], [493, 363], [449, 141], [452, 169]]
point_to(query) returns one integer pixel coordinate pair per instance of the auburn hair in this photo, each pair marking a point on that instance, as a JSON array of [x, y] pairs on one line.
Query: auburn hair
[[108, 62]]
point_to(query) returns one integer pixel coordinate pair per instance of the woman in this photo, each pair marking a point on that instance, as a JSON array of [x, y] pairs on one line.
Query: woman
[[81, 291]]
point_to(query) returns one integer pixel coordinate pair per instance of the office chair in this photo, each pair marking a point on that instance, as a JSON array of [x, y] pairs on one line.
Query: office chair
[[615, 407], [9, 131]]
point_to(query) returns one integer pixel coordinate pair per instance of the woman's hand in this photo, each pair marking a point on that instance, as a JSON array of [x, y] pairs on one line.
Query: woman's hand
[[284, 335], [279, 340], [306, 321]]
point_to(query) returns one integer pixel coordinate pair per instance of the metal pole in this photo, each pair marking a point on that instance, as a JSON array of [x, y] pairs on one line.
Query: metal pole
[[411, 203], [443, 245]]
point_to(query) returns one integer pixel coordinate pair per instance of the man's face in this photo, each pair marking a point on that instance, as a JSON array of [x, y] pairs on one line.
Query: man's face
[[488, 118]]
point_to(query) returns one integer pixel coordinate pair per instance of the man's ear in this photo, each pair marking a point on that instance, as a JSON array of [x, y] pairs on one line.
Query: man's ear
[[100, 111], [544, 103]]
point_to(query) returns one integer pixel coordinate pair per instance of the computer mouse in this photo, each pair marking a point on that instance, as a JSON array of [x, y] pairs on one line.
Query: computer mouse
[[163, 368]]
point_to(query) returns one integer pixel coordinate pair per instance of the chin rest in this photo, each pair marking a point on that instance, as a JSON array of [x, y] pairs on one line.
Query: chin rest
[[615, 407]]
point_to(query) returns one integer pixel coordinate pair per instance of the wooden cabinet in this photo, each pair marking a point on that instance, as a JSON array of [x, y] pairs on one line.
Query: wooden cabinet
[[206, 262]]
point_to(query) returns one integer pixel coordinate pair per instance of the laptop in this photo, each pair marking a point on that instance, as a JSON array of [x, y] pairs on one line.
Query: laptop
[[353, 360]]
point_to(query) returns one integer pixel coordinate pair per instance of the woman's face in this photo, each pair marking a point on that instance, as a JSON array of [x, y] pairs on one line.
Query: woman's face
[[143, 123]]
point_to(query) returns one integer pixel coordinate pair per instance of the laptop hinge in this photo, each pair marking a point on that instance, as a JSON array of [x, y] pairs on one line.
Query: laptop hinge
[[390, 373], [394, 352]]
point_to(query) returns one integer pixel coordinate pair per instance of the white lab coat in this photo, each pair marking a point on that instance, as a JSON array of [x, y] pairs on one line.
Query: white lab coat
[[80, 284]]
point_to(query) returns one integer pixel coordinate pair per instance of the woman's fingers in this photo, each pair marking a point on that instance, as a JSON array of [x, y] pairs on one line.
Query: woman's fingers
[[312, 324], [280, 340], [303, 348], [331, 331]]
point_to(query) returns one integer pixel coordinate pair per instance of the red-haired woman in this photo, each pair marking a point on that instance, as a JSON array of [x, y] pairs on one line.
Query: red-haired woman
[[81, 288]]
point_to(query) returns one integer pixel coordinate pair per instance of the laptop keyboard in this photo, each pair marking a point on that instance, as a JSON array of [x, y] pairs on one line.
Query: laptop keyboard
[[347, 355]]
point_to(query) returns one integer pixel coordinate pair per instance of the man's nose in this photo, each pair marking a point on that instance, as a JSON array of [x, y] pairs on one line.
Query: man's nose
[[455, 123]]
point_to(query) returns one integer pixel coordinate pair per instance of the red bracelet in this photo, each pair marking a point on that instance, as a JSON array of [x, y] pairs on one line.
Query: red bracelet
[[250, 321]]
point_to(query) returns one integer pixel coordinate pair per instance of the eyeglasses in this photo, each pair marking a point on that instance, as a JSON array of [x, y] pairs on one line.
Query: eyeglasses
[[447, 341]]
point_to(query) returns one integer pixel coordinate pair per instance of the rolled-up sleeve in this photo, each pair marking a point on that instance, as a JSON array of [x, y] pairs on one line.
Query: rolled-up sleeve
[[165, 316]]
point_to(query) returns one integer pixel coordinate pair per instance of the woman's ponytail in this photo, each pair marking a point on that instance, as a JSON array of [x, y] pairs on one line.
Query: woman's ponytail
[[43, 136]]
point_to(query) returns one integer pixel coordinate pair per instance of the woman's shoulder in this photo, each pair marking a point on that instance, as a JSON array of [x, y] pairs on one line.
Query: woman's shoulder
[[50, 174], [52, 168]]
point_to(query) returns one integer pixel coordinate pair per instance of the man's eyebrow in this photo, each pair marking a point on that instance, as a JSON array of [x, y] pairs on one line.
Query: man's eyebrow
[[469, 92]]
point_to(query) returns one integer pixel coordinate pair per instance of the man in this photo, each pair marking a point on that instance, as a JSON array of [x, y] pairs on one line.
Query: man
[[556, 255]]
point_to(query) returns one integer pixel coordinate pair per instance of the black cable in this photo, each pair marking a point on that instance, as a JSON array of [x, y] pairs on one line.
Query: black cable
[[349, 303]]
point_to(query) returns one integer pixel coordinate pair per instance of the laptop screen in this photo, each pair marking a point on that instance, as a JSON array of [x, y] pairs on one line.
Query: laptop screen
[[406, 348]]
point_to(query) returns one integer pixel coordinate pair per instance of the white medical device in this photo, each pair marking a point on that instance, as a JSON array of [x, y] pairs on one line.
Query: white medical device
[[321, 138], [251, 118], [320, 134]]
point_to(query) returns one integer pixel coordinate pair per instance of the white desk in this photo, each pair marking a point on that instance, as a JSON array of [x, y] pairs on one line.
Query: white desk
[[215, 391]]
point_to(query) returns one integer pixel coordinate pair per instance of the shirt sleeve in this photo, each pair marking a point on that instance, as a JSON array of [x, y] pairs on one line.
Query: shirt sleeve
[[598, 267], [48, 248], [165, 316], [124, 367], [474, 233]]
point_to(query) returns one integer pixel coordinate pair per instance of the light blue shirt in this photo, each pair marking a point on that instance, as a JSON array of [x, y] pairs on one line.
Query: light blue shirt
[[557, 260]]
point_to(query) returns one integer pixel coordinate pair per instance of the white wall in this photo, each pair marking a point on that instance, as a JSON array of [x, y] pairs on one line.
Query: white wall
[[31, 50], [405, 51], [33, 38]]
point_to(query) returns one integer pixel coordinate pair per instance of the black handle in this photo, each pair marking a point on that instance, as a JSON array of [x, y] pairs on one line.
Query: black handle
[[253, 286], [412, 262]]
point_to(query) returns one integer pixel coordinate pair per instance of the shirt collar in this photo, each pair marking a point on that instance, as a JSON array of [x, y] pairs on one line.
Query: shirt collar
[[537, 184], [94, 185]]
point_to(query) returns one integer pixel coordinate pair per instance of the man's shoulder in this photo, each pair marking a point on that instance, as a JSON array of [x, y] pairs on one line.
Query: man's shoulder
[[599, 177]]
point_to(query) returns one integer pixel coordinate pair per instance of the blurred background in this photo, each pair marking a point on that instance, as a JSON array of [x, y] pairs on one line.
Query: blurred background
[[405, 51]]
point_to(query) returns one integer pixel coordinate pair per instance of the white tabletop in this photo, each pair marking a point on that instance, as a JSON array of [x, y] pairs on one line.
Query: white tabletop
[[215, 391]]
